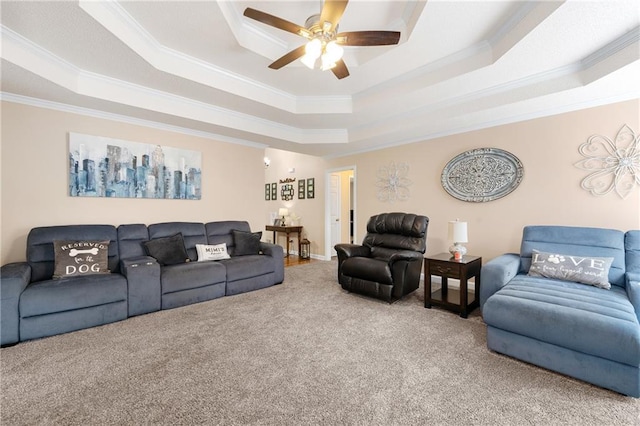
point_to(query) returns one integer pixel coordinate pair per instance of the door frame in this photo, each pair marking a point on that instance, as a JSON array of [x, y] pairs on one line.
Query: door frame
[[327, 206]]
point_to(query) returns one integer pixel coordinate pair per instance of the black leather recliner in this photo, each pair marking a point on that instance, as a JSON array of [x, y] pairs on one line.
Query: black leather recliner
[[388, 263]]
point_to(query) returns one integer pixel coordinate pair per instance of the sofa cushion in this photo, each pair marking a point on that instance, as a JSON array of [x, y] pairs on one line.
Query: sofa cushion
[[67, 294], [167, 250], [80, 258], [239, 268], [587, 270], [192, 232], [191, 275], [212, 252], [246, 243], [583, 318]]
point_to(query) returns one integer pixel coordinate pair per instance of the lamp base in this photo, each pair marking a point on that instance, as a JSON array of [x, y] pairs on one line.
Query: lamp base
[[457, 250]]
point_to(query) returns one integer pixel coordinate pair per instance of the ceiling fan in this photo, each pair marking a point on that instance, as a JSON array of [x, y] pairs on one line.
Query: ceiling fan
[[325, 43]]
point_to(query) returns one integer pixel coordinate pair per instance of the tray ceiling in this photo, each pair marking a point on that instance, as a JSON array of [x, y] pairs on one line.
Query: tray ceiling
[[201, 67]]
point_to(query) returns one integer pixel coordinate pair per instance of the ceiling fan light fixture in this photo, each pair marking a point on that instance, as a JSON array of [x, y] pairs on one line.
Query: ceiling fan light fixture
[[312, 50]]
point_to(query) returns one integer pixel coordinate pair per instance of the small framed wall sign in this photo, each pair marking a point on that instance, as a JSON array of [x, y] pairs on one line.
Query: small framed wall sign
[[311, 188], [274, 191], [267, 192], [301, 189]]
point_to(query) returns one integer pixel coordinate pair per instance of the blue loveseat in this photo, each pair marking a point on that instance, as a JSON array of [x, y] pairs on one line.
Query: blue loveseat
[[35, 305], [580, 330]]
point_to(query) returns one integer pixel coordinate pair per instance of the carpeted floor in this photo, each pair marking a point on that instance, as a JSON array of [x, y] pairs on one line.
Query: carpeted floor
[[304, 352]]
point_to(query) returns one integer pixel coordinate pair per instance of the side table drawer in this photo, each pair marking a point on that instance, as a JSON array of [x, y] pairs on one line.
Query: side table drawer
[[444, 269]]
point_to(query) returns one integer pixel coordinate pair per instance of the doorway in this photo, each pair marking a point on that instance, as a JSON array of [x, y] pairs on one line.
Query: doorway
[[340, 208]]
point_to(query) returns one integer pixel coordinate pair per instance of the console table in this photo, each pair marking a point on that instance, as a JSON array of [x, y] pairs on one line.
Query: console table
[[287, 230], [445, 266]]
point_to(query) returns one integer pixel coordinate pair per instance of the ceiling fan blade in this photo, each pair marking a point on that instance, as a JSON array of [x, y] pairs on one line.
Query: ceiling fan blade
[[368, 38], [276, 22], [340, 70], [288, 58], [332, 11]]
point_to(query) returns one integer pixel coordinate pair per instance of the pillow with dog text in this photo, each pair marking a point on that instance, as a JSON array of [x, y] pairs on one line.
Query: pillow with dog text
[[586, 270], [76, 258]]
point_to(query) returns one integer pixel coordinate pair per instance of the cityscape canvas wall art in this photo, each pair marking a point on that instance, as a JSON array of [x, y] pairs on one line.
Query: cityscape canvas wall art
[[105, 167]]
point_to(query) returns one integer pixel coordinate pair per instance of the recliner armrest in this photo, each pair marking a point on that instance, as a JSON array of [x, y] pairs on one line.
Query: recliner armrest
[[14, 278], [352, 250], [497, 273], [406, 255]]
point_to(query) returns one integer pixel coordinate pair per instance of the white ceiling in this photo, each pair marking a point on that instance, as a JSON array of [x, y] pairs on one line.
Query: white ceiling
[[202, 67]]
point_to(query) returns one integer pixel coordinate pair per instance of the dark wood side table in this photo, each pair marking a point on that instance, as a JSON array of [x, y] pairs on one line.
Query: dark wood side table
[[445, 266], [287, 230]]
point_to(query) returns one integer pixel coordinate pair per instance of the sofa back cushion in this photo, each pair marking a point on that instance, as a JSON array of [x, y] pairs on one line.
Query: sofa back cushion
[[221, 232], [40, 252], [577, 241], [396, 231], [632, 251], [130, 239], [192, 232]]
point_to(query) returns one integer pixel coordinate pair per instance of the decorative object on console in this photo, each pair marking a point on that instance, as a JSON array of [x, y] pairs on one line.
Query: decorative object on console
[[105, 167], [311, 189], [392, 182], [167, 250], [458, 235], [481, 175], [614, 165], [283, 212], [74, 258]]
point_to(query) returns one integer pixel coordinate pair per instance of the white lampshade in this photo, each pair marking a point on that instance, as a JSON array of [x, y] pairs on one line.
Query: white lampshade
[[282, 211], [458, 231], [312, 50]]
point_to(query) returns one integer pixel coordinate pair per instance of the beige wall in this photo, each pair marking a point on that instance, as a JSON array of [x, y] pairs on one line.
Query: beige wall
[[34, 178], [310, 211], [550, 192]]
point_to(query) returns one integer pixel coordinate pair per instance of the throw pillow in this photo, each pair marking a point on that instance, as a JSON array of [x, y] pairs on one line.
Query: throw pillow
[[212, 252], [586, 270], [73, 258], [167, 250], [246, 242]]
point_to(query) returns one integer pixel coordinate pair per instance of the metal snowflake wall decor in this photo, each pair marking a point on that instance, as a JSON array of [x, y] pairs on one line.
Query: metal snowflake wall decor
[[392, 182], [614, 165]]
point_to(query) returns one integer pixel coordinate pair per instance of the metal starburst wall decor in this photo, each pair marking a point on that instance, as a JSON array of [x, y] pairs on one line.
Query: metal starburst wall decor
[[614, 165], [392, 182]]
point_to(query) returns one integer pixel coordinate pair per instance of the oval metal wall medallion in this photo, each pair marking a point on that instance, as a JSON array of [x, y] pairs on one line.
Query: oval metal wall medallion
[[482, 174]]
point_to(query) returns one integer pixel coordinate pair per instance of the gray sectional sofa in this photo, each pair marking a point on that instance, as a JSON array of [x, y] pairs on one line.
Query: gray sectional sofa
[[591, 332], [34, 304]]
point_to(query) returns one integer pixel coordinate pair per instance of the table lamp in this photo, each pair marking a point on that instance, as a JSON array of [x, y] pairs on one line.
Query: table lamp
[[283, 212], [458, 235]]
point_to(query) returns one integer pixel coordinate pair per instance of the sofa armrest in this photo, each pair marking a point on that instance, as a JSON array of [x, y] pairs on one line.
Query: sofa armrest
[[273, 250], [633, 292], [497, 273], [144, 292], [352, 250], [14, 278]]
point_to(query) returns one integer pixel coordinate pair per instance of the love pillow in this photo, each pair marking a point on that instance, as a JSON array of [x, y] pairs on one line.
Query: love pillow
[[586, 270]]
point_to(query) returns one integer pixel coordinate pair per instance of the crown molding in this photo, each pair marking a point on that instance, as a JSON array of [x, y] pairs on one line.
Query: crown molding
[[88, 112]]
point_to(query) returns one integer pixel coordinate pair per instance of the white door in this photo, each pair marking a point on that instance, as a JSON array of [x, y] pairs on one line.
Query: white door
[[334, 210]]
